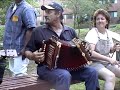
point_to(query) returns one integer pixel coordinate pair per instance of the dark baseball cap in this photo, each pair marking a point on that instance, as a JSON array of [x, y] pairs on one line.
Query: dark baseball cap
[[52, 6]]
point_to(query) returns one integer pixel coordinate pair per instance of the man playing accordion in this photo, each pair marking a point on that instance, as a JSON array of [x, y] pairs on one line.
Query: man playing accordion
[[60, 78]]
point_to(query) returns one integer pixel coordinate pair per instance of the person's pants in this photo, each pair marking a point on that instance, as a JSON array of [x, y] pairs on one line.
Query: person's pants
[[2, 67], [18, 66], [61, 78]]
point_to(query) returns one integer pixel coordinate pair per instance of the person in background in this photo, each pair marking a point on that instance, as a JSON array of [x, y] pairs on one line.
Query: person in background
[[61, 78], [20, 21], [102, 45]]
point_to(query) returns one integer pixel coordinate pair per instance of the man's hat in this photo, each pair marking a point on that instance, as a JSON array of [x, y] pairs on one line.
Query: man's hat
[[52, 6]]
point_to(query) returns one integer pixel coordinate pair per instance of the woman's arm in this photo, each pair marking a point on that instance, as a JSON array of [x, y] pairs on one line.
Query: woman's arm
[[99, 56]]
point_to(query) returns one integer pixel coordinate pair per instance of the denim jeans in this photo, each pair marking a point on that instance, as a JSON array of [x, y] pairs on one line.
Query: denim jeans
[[61, 78], [2, 67]]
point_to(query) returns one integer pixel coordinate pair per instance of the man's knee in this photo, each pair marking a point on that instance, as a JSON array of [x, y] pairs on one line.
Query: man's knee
[[66, 75]]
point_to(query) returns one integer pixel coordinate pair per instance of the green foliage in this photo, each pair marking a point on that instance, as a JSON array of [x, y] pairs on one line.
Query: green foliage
[[82, 32], [2, 16], [1, 32], [115, 28], [33, 3], [84, 9], [4, 4]]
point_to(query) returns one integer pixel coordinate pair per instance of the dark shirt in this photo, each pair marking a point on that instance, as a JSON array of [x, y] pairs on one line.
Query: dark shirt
[[45, 32]]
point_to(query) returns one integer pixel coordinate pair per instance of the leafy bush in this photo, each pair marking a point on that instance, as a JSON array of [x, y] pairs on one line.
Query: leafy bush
[[1, 32], [2, 16], [117, 27]]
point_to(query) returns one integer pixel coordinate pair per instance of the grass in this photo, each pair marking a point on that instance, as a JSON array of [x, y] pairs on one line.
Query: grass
[[81, 86], [78, 86]]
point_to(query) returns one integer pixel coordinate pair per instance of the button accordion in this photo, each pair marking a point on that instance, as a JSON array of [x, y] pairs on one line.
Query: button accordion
[[66, 55]]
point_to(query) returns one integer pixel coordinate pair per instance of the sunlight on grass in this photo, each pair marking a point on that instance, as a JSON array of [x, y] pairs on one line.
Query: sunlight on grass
[[78, 86], [81, 86]]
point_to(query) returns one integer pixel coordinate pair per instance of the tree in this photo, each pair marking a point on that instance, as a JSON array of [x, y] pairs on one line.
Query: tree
[[4, 4], [84, 9]]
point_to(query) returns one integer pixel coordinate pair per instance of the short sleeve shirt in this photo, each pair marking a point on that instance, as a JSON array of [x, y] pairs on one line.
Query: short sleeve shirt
[[17, 23], [93, 34], [45, 32]]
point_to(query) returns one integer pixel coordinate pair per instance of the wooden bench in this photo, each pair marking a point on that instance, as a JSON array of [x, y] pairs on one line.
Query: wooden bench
[[25, 83], [31, 82]]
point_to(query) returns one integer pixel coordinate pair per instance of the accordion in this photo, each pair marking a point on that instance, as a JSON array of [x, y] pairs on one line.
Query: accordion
[[66, 55]]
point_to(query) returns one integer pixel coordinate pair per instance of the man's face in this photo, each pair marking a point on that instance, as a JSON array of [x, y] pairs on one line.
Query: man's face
[[51, 16]]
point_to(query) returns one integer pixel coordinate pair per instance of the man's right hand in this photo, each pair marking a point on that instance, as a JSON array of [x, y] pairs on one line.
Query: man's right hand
[[38, 56]]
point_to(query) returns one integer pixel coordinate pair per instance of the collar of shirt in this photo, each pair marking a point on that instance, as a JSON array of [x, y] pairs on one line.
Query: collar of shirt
[[49, 27], [14, 8], [17, 4]]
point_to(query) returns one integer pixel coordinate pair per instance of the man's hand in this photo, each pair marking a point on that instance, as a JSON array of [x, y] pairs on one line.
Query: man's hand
[[38, 56]]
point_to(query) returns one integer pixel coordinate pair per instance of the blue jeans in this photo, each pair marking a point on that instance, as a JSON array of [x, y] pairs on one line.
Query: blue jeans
[[61, 78]]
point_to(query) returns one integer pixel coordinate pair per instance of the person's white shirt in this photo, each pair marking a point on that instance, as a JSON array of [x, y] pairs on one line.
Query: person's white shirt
[[92, 36], [14, 8]]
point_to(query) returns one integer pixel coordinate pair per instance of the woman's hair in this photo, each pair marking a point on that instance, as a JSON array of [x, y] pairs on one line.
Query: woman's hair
[[104, 13]]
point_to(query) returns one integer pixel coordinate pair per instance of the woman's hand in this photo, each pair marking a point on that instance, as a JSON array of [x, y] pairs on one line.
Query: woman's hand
[[114, 62]]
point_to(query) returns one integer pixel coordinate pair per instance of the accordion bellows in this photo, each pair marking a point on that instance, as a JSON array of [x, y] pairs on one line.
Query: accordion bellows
[[70, 58], [67, 56]]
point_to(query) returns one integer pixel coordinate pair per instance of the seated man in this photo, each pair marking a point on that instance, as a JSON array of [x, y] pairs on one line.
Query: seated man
[[61, 78]]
